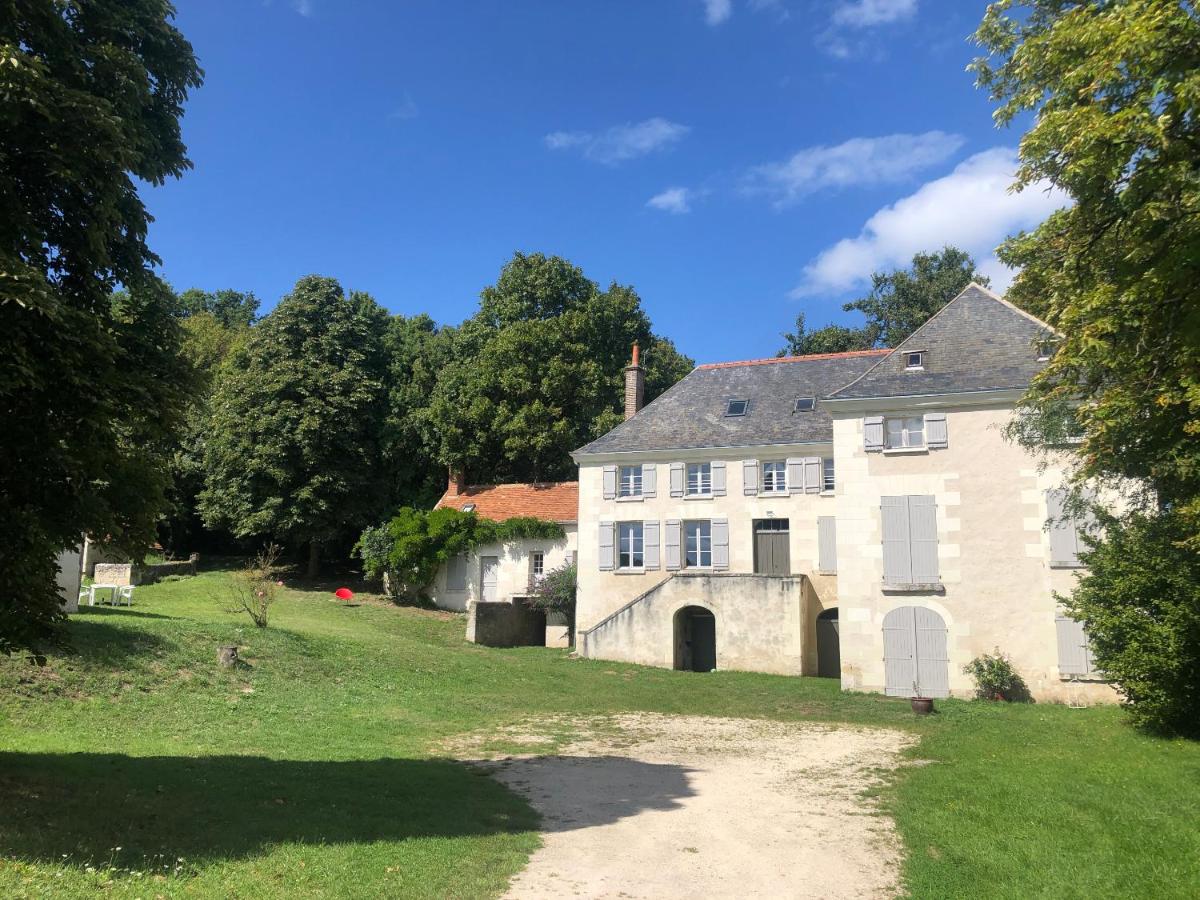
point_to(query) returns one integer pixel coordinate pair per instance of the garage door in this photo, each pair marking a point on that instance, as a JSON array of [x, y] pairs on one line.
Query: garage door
[[914, 653]]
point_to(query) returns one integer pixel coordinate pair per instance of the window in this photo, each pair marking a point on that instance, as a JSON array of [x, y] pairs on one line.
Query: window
[[468, 508], [698, 543], [910, 551], [736, 407], [631, 553], [631, 481], [774, 477], [906, 432], [804, 404], [699, 479], [456, 574], [914, 361], [827, 480], [537, 565], [1067, 527], [1045, 349]]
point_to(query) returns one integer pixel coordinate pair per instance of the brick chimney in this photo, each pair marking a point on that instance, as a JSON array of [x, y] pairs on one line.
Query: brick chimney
[[457, 483], [635, 385]]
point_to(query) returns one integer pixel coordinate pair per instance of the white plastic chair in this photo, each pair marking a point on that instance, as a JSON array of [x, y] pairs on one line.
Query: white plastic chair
[[123, 593]]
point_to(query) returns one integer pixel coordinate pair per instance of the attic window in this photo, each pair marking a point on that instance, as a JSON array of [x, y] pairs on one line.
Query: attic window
[[914, 362], [804, 404], [1045, 349], [469, 507], [736, 407]]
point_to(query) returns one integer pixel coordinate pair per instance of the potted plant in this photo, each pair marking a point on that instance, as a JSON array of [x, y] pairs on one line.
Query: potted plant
[[922, 706]]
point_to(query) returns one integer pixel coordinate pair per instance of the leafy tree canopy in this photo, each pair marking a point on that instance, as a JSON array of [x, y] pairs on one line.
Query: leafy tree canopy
[[233, 309], [900, 302], [296, 420], [539, 371], [91, 388], [1114, 88]]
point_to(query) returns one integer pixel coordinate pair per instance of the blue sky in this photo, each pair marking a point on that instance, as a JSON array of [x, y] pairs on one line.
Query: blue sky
[[737, 161]]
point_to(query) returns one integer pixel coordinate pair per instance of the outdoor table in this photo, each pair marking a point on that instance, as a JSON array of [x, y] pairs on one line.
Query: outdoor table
[[103, 587]]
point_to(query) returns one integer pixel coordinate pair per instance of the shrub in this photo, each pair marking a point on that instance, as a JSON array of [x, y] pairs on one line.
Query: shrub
[[555, 591], [996, 679], [1140, 605], [256, 584]]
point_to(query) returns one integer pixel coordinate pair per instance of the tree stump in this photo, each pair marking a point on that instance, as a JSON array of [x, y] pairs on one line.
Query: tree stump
[[227, 656]]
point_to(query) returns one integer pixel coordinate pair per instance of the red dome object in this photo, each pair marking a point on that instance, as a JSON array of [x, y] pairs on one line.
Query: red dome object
[[343, 593]]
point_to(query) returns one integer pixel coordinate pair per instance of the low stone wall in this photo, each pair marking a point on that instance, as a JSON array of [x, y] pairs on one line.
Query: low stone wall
[[151, 573], [120, 574], [760, 622], [506, 624]]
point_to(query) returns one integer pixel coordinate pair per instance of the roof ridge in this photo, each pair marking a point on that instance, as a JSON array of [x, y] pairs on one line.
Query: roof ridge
[[847, 354]]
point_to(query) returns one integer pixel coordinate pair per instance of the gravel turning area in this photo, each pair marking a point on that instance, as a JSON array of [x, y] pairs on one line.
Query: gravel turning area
[[653, 806]]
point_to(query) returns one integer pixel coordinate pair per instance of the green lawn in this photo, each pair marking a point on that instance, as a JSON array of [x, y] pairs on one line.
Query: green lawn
[[137, 768]]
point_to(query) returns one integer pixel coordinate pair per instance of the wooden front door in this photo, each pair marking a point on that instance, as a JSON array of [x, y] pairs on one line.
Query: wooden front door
[[489, 578], [771, 553]]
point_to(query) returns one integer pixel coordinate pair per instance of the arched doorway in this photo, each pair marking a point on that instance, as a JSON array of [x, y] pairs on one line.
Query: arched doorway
[[695, 639], [915, 662], [829, 646]]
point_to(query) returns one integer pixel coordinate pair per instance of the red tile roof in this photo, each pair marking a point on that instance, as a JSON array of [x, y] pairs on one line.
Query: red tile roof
[[553, 501], [788, 359]]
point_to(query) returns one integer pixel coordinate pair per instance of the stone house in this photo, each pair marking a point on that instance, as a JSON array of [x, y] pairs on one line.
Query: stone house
[[859, 515], [501, 572]]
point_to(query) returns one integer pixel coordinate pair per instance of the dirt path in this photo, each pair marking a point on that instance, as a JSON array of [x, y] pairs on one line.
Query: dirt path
[[668, 806]]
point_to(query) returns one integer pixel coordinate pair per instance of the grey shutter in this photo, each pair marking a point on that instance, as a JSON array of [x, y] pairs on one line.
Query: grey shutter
[[672, 544], [897, 558], [456, 574], [749, 477], [900, 652], [677, 476], [922, 535], [933, 663], [827, 544], [873, 433], [812, 475], [936, 435], [718, 478], [610, 482], [1064, 542], [720, 544], [606, 546], [650, 544], [1074, 654], [795, 475], [649, 480]]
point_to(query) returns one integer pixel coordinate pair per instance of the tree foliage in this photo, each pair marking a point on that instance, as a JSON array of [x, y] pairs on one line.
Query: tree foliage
[[297, 415], [899, 302], [1114, 87], [90, 387], [232, 309], [539, 371]]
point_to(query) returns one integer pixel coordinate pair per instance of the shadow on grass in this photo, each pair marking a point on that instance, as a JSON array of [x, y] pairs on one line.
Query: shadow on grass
[[230, 807], [103, 644], [118, 612]]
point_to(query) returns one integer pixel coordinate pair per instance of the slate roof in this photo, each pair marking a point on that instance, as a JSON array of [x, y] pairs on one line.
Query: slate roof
[[976, 342], [691, 414], [553, 501]]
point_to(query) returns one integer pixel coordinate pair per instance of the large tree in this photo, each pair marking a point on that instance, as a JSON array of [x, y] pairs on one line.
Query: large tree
[[1114, 88], [539, 370], [899, 302], [297, 413], [91, 395]]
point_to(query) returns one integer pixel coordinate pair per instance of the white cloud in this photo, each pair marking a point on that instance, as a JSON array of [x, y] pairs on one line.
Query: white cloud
[[621, 142], [305, 7], [970, 208], [866, 13], [717, 11], [676, 200], [859, 161], [406, 109]]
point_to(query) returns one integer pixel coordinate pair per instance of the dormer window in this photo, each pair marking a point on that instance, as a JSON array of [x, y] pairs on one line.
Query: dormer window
[[914, 361], [737, 407], [469, 507], [804, 404], [1045, 349]]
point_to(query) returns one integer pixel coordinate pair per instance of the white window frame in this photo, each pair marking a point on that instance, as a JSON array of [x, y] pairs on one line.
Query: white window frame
[[774, 476], [909, 365], [697, 544], [631, 546], [629, 481], [910, 437], [537, 565], [828, 475], [702, 483], [729, 407]]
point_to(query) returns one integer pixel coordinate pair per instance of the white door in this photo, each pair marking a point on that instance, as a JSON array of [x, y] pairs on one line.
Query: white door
[[489, 578]]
